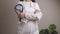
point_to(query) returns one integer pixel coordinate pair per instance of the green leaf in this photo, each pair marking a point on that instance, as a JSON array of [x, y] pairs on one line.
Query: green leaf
[[52, 27]]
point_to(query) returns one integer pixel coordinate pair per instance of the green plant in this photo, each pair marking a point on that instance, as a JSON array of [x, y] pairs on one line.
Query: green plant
[[54, 32], [44, 31], [52, 29]]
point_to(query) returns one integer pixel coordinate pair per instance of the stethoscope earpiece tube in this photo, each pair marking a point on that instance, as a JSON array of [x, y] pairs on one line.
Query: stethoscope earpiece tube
[[19, 7]]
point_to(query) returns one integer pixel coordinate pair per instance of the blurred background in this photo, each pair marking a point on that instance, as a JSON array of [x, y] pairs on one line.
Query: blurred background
[[8, 18]]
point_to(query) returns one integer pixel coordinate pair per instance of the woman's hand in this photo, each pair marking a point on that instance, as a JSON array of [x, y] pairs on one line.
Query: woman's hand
[[36, 11], [21, 15]]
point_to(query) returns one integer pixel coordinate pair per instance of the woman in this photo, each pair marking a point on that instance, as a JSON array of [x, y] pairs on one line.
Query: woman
[[30, 16]]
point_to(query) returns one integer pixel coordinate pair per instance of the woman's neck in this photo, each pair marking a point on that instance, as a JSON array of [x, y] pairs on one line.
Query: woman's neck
[[27, 0]]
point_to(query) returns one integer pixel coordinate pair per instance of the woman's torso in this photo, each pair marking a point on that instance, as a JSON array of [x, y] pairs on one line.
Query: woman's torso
[[27, 26]]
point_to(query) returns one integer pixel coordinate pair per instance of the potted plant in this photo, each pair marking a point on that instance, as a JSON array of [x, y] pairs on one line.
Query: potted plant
[[51, 30]]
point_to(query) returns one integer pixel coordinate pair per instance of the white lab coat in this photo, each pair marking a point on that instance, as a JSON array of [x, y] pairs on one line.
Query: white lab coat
[[30, 22]]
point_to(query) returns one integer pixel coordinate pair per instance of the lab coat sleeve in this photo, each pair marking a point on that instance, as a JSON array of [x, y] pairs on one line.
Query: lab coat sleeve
[[36, 16], [33, 16]]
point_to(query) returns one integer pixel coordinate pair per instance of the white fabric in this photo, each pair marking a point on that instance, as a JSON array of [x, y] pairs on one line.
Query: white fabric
[[29, 24]]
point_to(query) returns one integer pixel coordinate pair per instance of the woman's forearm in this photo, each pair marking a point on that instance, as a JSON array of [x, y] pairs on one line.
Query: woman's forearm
[[36, 16]]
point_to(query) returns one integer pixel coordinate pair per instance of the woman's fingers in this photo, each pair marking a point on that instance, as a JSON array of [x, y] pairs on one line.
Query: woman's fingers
[[21, 15]]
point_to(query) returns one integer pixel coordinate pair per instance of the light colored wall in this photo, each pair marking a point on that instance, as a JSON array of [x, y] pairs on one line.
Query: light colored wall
[[8, 18], [51, 13]]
